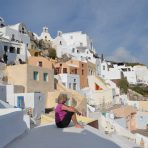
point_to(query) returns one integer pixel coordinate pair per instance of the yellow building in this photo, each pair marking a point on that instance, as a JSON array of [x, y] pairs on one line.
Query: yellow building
[[91, 68]]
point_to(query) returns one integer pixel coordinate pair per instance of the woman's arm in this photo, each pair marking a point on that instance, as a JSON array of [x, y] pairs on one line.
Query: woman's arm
[[71, 109]]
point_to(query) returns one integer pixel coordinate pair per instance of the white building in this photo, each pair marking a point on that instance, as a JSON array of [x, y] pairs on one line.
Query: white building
[[15, 96], [77, 45], [14, 42], [109, 72], [7, 91], [34, 101], [116, 91], [117, 71], [142, 74], [98, 93], [128, 72], [15, 52], [45, 35], [70, 81]]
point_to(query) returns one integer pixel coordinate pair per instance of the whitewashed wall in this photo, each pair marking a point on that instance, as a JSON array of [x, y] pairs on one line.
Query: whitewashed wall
[[36, 101], [70, 79], [12, 125]]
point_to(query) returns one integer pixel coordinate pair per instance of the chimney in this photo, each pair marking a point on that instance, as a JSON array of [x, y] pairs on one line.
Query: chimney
[[102, 58]]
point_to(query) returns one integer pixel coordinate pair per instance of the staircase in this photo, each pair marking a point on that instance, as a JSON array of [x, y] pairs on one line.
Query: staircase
[[60, 88]]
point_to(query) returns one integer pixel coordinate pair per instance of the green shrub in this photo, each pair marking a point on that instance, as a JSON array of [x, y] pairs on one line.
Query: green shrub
[[123, 84], [52, 53]]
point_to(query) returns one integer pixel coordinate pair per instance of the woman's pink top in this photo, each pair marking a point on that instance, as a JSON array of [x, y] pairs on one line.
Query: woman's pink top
[[59, 113]]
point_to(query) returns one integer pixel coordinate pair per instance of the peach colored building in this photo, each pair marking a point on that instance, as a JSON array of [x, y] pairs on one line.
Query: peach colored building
[[33, 78], [74, 67], [41, 62]]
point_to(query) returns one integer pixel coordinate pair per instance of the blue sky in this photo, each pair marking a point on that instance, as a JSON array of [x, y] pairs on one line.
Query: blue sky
[[119, 28]]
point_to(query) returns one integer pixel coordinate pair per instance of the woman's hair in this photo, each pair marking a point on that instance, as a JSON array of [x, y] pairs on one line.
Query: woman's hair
[[62, 98]]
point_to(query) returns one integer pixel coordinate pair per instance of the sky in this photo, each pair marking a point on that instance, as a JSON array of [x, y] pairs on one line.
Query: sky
[[118, 28]]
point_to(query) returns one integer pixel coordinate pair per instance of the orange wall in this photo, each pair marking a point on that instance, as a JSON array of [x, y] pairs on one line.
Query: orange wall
[[35, 60], [131, 122], [80, 66]]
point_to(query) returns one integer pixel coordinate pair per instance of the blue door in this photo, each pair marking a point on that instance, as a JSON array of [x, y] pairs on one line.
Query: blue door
[[20, 102]]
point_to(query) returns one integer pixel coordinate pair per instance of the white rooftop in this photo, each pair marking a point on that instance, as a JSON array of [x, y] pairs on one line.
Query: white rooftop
[[49, 136], [4, 105]]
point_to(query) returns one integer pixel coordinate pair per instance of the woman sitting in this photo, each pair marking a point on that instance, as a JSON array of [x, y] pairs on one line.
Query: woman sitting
[[64, 114]]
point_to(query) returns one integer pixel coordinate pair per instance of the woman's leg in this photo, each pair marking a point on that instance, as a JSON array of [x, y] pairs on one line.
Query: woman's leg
[[69, 116], [74, 119], [66, 121]]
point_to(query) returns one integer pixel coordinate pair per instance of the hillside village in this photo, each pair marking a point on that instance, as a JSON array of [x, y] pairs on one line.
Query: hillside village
[[35, 69]]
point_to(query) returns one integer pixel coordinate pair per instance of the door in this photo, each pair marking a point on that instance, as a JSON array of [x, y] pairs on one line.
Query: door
[[20, 102]]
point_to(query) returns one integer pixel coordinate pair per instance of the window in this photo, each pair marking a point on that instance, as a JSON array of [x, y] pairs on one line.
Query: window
[[12, 49], [73, 50], [74, 80], [71, 37], [40, 64], [5, 48], [69, 85], [74, 86], [18, 50], [13, 37], [60, 42], [75, 71], [103, 67], [82, 65], [35, 75], [23, 30], [81, 44], [45, 77], [91, 72], [64, 70], [82, 72]]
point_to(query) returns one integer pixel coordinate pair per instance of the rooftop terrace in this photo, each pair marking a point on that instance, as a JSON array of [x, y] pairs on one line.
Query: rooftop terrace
[[49, 136]]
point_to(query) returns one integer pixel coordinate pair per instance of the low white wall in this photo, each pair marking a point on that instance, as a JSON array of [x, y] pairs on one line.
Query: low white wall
[[12, 125], [133, 103], [106, 122], [139, 138], [102, 96]]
